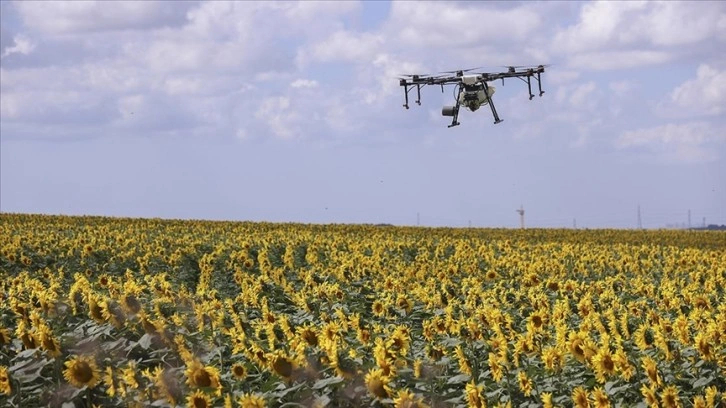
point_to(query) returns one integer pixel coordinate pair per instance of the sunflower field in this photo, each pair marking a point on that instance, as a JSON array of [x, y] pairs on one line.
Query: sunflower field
[[104, 312]]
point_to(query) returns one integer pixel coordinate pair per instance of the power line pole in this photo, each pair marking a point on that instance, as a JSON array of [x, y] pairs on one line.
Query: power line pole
[[689, 219], [640, 221], [521, 216], [574, 223], [418, 219]]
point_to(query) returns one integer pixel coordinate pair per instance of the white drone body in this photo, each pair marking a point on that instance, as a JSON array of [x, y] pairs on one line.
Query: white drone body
[[474, 99]]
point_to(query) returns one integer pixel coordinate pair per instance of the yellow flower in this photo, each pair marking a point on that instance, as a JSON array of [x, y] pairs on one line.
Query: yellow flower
[[377, 383], [525, 384], [281, 364], [82, 371], [649, 396], [475, 395], [579, 398], [547, 400], [198, 399], [669, 397], [5, 387], [406, 399], [601, 398], [252, 401], [651, 370], [603, 364], [239, 371], [201, 376]]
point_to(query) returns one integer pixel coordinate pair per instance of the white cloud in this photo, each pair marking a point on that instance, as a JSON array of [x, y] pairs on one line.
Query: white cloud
[[690, 142], [619, 34], [22, 45], [304, 83], [605, 24], [459, 25], [608, 60], [66, 17], [342, 46], [705, 94]]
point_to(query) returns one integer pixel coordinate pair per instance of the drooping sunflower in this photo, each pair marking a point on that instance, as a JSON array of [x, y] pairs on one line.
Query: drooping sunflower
[[201, 376], [82, 371], [377, 383], [48, 342], [651, 370]]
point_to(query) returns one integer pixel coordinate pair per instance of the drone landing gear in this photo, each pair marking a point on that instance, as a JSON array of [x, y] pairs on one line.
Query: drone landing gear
[[491, 104], [407, 90]]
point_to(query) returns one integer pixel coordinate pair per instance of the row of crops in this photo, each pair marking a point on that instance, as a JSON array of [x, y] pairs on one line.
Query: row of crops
[[138, 312]]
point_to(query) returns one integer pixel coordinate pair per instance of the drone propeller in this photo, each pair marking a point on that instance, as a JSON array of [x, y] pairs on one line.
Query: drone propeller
[[460, 70]]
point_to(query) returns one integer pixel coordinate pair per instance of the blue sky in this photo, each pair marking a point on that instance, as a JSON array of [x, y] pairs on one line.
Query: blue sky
[[277, 111]]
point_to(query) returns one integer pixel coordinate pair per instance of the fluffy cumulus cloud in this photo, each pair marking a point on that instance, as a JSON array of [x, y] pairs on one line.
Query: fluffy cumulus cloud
[[705, 94], [689, 142]]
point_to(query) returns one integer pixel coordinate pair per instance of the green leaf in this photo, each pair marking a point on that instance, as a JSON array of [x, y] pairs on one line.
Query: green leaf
[[326, 382], [457, 379], [702, 382]]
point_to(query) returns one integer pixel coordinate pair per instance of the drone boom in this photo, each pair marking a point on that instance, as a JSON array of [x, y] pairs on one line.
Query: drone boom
[[473, 89]]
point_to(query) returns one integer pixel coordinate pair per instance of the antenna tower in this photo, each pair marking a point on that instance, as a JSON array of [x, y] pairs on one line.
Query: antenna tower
[[521, 216], [640, 221]]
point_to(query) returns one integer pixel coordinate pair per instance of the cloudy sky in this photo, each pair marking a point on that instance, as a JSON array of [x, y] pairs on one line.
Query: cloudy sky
[[281, 111]]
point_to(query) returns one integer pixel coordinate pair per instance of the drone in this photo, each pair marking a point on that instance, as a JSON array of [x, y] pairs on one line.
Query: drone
[[471, 89]]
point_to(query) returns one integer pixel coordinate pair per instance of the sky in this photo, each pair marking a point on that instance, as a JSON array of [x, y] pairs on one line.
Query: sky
[[292, 112]]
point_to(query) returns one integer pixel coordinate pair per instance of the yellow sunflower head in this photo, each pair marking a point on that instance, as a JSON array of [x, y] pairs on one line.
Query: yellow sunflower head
[[198, 399], [82, 371]]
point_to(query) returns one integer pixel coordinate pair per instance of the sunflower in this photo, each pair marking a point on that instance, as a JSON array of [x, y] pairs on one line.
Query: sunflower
[[495, 367], [110, 381], [377, 383], [5, 387], [603, 364], [48, 342], [669, 398], [407, 399], [579, 398], [601, 398], [651, 369], [198, 399], [379, 310], [252, 401], [239, 371], [547, 400], [649, 396], [525, 383], [201, 376], [281, 364], [699, 402], [4, 336], [576, 345], [705, 348], [82, 371]]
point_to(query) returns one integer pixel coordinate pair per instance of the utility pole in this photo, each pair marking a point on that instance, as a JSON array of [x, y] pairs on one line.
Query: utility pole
[[521, 216], [689, 219], [574, 223], [640, 221], [418, 219]]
